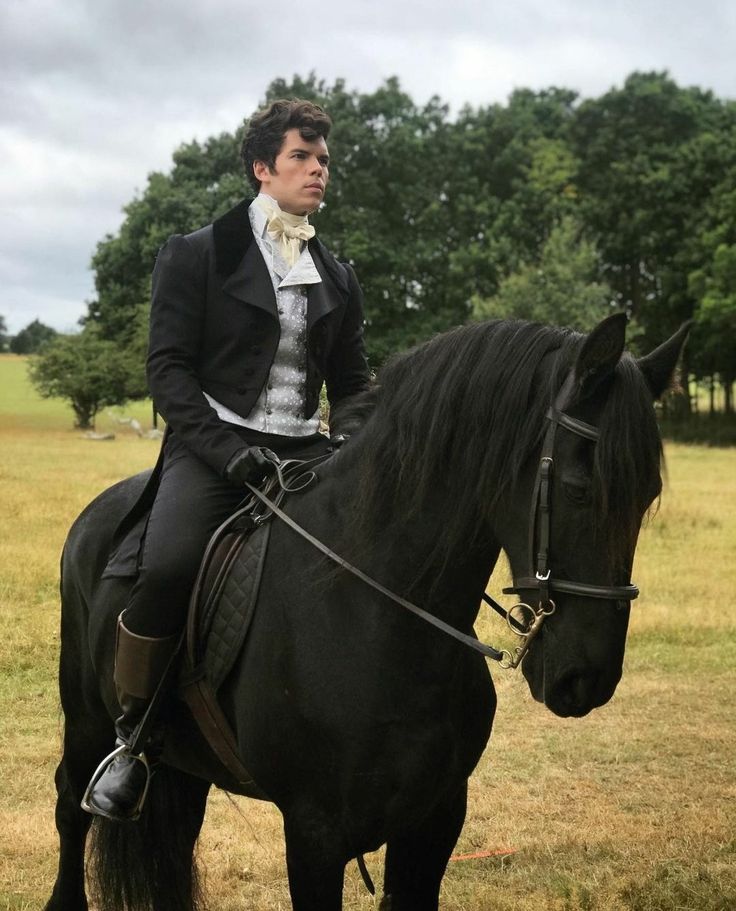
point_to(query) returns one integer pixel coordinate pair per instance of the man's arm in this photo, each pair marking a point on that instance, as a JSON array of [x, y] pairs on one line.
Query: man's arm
[[177, 316]]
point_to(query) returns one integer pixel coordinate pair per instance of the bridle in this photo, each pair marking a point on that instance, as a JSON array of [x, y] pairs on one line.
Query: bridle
[[522, 618]]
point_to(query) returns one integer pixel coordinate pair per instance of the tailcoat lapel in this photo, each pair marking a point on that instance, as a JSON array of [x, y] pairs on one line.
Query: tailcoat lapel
[[250, 282], [239, 261], [245, 274], [332, 291]]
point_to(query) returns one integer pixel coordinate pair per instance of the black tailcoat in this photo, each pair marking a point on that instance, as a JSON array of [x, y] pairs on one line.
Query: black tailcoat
[[215, 329]]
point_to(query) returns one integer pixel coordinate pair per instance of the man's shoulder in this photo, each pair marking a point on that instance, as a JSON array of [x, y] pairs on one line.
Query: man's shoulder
[[200, 238], [233, 223], [228, 237]]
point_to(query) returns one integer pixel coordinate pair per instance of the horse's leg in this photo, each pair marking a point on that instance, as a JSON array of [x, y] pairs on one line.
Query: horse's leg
[[88, 735], [417, 858], [74, 771], [72, 824], [315, 862]]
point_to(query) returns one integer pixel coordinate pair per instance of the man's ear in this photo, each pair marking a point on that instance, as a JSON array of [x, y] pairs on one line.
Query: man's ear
[[260, 170], [659, 365], [601, 351]]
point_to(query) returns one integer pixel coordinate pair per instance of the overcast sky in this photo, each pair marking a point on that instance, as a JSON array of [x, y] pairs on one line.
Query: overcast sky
[[96, 94]]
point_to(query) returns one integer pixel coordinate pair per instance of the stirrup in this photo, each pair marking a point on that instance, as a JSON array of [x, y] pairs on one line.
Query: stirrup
[[122, 750]]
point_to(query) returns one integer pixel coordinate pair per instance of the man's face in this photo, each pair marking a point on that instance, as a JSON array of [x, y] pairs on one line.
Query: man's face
[[300, 176]]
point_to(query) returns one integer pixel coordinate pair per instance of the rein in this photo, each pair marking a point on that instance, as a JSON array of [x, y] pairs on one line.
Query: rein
[[470, 641], [523, 619]]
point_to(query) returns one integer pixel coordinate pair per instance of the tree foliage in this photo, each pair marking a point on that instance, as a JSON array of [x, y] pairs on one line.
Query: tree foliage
[[560, 288], [545, 205], [32, 338], [89, 372]]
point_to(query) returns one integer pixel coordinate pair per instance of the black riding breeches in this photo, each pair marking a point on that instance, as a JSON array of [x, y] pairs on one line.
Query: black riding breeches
[[191, 502]]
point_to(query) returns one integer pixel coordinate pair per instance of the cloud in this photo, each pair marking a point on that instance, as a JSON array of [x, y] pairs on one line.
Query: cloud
[[94, 96]]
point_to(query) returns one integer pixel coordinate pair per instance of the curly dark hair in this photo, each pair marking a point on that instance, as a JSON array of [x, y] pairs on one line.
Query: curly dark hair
[[266, 129]]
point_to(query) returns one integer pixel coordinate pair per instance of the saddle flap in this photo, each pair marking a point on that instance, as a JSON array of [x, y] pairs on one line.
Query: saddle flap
[[221, 609], [224, 598]]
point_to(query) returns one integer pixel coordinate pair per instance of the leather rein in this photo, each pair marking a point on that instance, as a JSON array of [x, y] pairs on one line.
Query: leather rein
[[523, 619]]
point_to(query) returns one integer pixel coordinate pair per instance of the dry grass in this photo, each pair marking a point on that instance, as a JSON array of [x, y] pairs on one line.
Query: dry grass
[[630, 809]]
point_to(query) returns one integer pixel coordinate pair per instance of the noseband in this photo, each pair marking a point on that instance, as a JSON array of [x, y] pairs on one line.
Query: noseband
[[522, 618]]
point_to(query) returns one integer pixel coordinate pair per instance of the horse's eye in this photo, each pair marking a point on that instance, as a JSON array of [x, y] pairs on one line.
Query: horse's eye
[[577, 489]]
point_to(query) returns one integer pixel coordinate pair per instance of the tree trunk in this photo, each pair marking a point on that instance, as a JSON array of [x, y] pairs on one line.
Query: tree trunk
[[85, 415]]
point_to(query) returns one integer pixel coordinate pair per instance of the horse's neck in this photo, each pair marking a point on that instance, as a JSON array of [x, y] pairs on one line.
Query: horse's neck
[[396, 554]]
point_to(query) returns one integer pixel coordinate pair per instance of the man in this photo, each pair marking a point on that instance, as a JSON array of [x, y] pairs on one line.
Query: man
[[249, 315]]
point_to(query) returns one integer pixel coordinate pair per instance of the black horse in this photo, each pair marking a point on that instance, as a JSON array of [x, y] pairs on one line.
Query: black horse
[[358, 720]]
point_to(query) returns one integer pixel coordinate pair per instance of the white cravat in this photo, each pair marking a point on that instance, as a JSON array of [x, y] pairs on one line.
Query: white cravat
[[284, 228]]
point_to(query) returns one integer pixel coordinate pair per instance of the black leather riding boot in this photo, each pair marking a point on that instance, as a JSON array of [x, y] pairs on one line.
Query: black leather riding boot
[[119, 786]]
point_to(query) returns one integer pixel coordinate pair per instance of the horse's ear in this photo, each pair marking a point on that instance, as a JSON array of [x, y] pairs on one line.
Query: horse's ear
[[659, 365], [601, 351]]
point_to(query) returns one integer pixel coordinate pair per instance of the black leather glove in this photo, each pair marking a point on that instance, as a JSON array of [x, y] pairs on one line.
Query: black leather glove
[[251, 464]]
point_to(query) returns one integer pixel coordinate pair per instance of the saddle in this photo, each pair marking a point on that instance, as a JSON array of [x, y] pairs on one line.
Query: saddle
[[222, 607]]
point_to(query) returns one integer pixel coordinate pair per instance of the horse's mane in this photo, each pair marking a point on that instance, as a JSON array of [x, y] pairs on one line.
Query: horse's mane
[[477, 397]]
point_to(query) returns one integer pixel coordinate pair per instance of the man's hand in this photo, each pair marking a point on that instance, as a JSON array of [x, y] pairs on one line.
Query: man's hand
[[251, 465]]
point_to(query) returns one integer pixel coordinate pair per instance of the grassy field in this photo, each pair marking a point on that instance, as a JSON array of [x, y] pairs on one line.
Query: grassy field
[[630, 809]]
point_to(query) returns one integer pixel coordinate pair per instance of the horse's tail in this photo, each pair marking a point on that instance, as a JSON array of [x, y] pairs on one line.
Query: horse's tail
[[149, 864]]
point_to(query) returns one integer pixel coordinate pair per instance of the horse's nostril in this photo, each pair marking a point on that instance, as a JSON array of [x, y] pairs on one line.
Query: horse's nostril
[[573, 695]]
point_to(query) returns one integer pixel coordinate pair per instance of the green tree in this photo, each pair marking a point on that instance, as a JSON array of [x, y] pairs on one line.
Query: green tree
[[440, 216], [715, 318], [431, 212], [559, 288], [3, 334], [650, 155], [86, 370], [712, 284], [198, 188], [32, 338]]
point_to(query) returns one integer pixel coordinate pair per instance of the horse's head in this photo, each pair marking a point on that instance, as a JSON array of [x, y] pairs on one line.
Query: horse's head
[[587, 490]]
